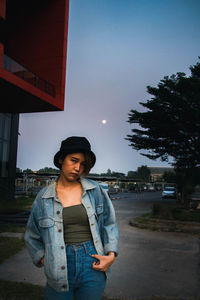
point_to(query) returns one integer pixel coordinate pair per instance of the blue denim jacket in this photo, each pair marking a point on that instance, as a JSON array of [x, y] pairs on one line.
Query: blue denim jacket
[[44, 233]]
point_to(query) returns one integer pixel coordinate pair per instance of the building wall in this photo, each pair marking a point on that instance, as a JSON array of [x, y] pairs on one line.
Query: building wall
[[158, 172], [8, 153], [3, 9], [34, 35]]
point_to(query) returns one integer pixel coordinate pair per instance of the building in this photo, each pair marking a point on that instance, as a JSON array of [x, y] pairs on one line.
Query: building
[[33, 51], [158, 172]]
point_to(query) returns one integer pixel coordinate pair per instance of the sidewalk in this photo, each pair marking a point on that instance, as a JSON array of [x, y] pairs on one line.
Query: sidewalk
[[21, 269]]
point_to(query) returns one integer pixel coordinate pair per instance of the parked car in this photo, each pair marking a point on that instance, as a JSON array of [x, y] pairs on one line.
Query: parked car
[[169, 192]]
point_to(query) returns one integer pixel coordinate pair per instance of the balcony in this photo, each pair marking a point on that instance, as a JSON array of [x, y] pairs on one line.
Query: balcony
[[15, 68]]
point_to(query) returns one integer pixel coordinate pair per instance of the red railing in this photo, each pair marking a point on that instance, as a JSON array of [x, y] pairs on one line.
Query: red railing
[[15, 68]]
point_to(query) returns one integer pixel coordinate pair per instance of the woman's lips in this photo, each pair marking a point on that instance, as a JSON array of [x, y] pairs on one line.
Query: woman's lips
[[74, 174]]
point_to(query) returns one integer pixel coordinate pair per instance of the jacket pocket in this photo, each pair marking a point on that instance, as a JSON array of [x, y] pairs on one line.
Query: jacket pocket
[[50, 262], [46, 222], [99, 209]]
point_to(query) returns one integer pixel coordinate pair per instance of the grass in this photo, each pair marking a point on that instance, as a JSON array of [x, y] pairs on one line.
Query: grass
[[144, 219], [17, 205], [23, 291], [9, 247], [20, 291], [170, 212], [175, 211], [26, 291], [12, 228]]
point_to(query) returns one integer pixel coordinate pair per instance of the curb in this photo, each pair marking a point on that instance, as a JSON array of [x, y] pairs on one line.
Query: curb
[[12, 235], [168, 226], [20, 218]]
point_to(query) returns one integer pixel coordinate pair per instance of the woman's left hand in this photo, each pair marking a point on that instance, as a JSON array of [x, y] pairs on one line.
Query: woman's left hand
[[104, 261]]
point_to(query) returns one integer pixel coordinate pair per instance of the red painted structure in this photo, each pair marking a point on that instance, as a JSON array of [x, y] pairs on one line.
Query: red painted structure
[[33, 50]]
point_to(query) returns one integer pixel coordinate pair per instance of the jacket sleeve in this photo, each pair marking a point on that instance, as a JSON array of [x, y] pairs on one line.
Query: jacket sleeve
[[33, 238], [110, 230]]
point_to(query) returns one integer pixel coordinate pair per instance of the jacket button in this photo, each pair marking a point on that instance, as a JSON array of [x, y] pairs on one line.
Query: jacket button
[[64, 286], [63, 267], [92, 224], [58, 212], [59, 230], [62, 247]]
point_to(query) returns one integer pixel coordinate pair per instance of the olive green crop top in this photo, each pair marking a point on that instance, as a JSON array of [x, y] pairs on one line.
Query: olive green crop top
[[76, 225]]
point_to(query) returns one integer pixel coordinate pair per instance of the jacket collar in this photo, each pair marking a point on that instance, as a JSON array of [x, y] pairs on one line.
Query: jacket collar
[[86, 184], [51, 189]]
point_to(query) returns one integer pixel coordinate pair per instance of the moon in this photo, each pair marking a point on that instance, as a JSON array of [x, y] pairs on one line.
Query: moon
[[103, 121]]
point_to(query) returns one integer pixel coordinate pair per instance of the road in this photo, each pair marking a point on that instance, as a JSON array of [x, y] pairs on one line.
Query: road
[[151, 262]]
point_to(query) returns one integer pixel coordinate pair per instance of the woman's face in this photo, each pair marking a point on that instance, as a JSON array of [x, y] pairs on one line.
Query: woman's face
[[73, 166]]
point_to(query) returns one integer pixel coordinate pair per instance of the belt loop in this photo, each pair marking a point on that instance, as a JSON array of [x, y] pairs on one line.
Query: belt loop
[[85, 247]]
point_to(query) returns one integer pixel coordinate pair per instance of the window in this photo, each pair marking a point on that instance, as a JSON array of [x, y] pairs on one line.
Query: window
[[5, 127]]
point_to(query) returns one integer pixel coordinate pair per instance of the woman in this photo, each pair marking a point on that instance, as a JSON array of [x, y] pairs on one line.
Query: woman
[[72, 229]]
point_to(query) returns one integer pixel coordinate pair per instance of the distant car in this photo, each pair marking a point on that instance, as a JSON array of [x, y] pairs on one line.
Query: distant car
[[169, 192], [151, 189]]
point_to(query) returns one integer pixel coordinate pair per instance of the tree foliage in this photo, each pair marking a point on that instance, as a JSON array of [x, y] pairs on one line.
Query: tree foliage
[[27, 171], [109, 172], [143, 173], [113, 174], [18, 170], [170, 177], [48, 170], [132, 175], [170, 124]]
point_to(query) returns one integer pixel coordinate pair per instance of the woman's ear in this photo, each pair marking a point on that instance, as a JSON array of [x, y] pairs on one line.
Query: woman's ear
[[60, 161]]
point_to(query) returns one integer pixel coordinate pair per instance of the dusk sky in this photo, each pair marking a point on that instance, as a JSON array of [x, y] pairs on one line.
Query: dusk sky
[[115, 49]]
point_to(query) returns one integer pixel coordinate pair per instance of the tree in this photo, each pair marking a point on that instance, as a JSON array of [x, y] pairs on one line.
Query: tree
[[132, 175], [94, 174], [113, 174], [170, 177], [118, 174], [109, 173], [170, 125], [143, 173], [48, 170], [27, 171]]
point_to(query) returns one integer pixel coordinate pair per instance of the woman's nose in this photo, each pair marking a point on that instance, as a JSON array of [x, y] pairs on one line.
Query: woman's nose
[[77, 166]]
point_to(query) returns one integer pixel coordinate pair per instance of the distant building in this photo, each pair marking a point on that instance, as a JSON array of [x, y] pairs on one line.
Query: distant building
[[157, 172], [33, 51]]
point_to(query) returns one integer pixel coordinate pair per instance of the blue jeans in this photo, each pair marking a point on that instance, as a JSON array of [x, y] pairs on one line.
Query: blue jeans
[[85, 283]]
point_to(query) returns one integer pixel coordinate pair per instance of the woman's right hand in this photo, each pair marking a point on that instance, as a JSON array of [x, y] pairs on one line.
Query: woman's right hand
[[42, 260]]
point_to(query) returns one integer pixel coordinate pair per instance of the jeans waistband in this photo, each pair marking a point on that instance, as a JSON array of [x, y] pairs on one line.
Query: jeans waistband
[[83, 245]]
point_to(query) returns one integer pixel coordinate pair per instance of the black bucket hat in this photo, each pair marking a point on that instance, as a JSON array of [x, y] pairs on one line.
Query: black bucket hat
[[74, 144]]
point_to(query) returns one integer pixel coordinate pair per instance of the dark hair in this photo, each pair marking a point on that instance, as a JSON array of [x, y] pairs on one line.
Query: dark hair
[[88, 163]]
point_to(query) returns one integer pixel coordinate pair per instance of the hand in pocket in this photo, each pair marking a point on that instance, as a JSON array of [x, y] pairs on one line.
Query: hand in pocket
[[42, 260]]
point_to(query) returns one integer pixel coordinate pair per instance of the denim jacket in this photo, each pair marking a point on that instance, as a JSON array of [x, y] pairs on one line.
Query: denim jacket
[[44, 233]]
